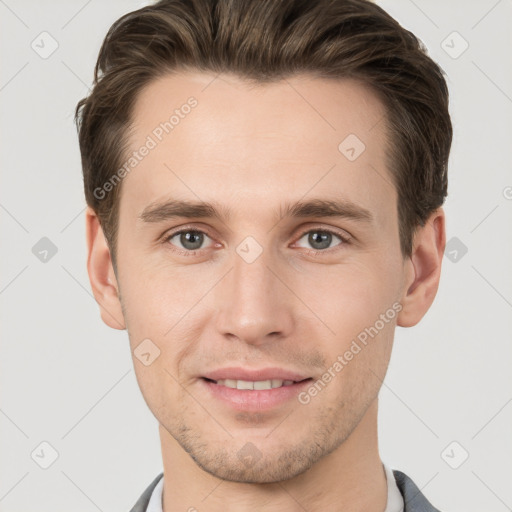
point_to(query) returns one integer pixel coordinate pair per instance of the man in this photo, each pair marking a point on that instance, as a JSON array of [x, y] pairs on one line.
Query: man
[[264, 183]]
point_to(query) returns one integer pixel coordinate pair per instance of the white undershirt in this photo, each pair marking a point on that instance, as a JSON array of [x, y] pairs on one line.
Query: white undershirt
[[395, 501]]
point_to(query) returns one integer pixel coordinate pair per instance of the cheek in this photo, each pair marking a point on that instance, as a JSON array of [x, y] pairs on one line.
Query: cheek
[[350, 298], [164, 317], [155, 300], [357, 306]]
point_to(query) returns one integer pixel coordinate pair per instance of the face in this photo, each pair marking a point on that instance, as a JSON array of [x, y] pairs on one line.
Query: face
[[295, 257]]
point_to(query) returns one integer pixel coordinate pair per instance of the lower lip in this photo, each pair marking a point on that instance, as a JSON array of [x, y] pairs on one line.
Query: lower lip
[[255, 400]]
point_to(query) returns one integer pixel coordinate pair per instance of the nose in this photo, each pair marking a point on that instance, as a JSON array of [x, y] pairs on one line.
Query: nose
[[254, 306]]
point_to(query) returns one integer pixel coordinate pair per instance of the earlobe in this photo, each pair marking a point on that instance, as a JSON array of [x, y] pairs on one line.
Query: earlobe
[[101, 273], [423, 270]]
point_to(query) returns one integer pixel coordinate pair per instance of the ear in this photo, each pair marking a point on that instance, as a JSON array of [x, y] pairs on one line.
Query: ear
[[101, 273], [423, 270]]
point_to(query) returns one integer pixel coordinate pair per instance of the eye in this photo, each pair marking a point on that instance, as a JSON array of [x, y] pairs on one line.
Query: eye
[[188, 239], [321, 239]]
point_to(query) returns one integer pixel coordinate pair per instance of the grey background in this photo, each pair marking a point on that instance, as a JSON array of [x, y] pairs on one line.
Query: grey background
[[68, 380]]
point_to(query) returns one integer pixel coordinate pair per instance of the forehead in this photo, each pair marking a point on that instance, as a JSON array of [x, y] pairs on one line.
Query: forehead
[[216, 137], [229, 107]]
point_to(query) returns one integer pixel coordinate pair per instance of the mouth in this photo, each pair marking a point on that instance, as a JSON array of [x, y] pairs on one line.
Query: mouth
[[258, 385], [256, 394]]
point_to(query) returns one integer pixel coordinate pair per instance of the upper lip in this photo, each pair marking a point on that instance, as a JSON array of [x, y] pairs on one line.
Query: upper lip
[[254, 375]]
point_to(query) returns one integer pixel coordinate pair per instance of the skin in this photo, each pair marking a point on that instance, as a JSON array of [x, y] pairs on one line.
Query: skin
[[252, 149]]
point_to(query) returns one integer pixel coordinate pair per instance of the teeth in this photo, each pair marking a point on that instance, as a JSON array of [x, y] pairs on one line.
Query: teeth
[[258, 385], [243, 384], [263, 384]]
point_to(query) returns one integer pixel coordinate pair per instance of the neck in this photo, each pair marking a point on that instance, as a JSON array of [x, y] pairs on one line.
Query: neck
[[351, 478]]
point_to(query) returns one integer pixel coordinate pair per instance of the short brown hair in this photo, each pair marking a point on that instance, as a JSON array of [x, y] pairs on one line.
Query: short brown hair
[[263, 41]]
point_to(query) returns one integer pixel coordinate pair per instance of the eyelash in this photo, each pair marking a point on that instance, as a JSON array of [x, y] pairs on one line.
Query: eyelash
[[344, 239]]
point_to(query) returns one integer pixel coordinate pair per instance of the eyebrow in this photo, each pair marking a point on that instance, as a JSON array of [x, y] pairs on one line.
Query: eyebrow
[[173, 208]]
